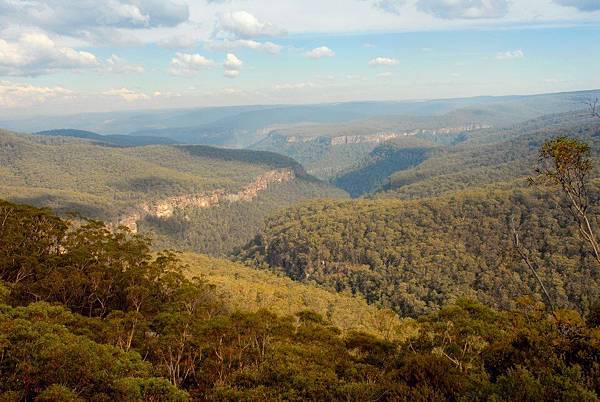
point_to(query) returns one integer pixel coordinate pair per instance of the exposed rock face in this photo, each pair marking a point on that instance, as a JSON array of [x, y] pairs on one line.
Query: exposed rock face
[[166, 207], [380, 137], [390, 135]]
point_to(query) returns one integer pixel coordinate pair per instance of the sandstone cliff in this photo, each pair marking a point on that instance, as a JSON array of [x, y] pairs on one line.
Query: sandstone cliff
[[165, 208]]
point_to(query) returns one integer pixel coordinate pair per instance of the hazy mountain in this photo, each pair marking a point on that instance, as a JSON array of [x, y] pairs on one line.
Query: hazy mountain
[[116, 140], [244, 125]]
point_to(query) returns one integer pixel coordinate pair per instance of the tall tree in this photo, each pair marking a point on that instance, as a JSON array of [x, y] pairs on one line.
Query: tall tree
[[565, 162]]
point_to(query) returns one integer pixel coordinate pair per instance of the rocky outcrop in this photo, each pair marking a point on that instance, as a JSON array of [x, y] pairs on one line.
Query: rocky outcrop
[[390, 135], [165, 208]]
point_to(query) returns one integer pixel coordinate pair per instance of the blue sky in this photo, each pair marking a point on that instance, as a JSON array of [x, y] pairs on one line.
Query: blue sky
[[63, 56]]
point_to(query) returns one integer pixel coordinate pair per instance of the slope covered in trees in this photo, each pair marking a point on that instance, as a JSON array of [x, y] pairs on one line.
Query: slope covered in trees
[[373, 172], [121, 185], [91, 314], [416, 256], [111, 139], [245, 288], [490, 156]]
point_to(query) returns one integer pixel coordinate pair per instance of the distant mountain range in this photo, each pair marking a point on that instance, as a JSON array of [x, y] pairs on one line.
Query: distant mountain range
[[115, 140], [242, 126]]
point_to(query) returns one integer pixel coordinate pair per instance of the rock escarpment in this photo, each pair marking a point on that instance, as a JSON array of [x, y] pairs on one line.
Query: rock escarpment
[[166, 207]]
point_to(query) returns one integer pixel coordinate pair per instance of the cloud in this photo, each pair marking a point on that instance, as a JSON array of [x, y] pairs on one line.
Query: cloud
[[232, 62], [390, 6], [36, 54], [320, 52], [74, 17], [243, 25], [232, 65], [226, 45], [22, 95], [186, 64], [178, 42], [383, 61], [126, 94], [296, 86], [581, 5], [118, 65], [510, 55], [464, 9]]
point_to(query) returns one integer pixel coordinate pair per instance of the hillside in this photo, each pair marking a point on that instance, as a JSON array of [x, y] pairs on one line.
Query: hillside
[[439, 230], [335, 149], [111, 139], [429, 163], [418, 255], [248, 289], [87, 313], [489, 156], [151, 184], [373, 171], [331, 150]]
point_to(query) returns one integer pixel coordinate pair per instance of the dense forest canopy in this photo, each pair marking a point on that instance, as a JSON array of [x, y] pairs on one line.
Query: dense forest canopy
[[416, 256], [491, 156], [90, 314]]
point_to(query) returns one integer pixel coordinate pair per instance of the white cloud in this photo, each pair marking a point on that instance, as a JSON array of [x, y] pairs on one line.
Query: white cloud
[[296, 86], [320, 52], [118, 65], [581, 5], [510, 55], [464, 9], [383, 61], [226, 45], [23, 95], [243, 25], [189, 64], [126, 94], [107, 22], [67, 16], [36, 54], [232, 66], [178, 42]]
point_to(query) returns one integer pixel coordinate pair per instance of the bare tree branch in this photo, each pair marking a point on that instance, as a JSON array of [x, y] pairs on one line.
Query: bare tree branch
[[594, 106], [521, 250], [566, 162]]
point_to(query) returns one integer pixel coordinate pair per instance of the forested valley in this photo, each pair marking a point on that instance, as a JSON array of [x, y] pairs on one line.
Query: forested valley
[[92, 314], [466, 267]]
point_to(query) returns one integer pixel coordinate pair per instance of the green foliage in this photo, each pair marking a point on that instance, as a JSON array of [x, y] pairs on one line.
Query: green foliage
[[71, 175], [195, 346], [490, 156], [247, 289], [222, 229], [39, 352], [415, 256], [568, 156], [378, 166]]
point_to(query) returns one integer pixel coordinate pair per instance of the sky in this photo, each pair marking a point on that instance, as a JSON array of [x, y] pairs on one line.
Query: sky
[[72, 56]]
